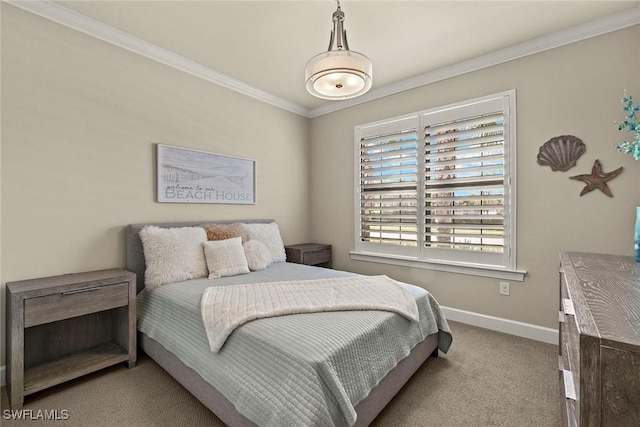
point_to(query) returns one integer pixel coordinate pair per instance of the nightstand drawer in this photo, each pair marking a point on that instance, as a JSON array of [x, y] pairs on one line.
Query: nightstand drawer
[[317, 254], [316, 257], [52, 308]]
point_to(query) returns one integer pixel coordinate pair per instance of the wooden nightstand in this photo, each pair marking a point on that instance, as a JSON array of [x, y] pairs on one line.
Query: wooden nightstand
[[67, 326], [309, 254]]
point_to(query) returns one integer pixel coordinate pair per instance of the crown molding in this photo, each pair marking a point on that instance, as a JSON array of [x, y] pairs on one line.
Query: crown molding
[[617, 21], [72, 19], [67, 17]]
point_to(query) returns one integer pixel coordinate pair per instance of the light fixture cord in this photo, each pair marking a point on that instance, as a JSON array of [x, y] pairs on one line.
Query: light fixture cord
[[338, 34]]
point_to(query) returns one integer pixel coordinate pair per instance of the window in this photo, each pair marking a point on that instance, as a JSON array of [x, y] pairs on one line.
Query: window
[[437, 186]]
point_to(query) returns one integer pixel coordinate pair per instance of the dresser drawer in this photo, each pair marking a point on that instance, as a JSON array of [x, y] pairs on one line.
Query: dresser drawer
[[571, 350], [52, 308], [568, 409]]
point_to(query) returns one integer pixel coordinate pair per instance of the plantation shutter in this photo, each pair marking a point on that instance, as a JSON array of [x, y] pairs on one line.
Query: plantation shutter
[[438, 186], [464, 187], [388, 184]]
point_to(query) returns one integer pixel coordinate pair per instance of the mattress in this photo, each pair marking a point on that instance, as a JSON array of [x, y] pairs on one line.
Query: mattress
[[305, 369]]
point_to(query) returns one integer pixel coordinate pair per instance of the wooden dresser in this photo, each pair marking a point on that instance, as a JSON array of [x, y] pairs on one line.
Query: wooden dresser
[[599, 340]]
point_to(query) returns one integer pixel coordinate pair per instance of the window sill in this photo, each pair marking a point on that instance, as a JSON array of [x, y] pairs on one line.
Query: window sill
[[470, 269]]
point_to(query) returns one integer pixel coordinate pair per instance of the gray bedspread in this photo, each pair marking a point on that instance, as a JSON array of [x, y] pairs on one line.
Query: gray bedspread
[[296, 370]]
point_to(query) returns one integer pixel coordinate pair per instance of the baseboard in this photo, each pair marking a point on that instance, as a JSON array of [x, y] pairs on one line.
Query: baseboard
[[512, 327], [3, 377]]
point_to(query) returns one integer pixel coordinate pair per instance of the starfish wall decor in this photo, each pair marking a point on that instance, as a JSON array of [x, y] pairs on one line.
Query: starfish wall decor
[[597, 179]]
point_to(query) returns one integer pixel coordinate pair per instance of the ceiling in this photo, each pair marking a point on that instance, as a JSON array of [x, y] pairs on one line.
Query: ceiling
[[266, 44]]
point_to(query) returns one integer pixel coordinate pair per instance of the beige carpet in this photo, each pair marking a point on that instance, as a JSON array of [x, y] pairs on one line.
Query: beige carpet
[[487, 379]]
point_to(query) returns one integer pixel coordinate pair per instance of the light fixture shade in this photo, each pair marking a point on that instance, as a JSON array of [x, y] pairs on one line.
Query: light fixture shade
[[338, 74]]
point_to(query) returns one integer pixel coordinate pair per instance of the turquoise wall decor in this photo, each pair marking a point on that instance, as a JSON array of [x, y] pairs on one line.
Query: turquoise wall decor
[[636, 243], [631, 124]]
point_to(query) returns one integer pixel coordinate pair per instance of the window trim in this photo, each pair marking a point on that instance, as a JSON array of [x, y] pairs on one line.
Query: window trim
[[481, 270], [509, 270]]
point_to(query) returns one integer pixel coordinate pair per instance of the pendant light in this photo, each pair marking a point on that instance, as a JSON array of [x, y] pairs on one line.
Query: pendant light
[[338, 73]]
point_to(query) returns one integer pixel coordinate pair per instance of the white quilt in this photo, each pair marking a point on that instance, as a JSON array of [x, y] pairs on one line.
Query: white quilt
[[224, 308]]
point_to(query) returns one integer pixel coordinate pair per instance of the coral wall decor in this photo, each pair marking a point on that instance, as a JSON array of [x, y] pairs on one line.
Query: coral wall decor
[[631, 124], [560, 153], [597, 179]]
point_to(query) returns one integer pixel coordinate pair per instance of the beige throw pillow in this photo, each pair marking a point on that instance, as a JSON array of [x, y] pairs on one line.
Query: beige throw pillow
[[257, 253], [225, 257]]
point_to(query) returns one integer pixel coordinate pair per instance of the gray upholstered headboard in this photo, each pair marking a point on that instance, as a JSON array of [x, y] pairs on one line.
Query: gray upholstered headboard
[[135, 254]]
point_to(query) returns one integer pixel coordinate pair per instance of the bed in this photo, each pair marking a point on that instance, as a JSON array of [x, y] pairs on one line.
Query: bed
[[302, 369]]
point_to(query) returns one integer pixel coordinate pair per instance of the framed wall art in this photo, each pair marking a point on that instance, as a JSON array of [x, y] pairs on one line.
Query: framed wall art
[[192, 176]]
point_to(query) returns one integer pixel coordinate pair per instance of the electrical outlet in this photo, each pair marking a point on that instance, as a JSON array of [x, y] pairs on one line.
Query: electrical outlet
[[504, 288]]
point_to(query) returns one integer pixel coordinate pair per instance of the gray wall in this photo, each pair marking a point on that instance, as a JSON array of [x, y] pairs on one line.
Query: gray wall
[[79, 120], [574, 90]]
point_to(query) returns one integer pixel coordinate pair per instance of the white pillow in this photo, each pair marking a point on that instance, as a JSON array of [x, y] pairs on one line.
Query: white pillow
[[225, 257], [269, 234], [257, 253], [173, 254]]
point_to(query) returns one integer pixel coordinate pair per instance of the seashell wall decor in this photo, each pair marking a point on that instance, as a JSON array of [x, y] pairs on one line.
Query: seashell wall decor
[[560, 153]]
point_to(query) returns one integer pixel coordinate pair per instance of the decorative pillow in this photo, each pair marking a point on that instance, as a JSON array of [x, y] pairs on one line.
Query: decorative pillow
[[269, 234], [257, 253], [173, 254], [225, 257], [225, 231]]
